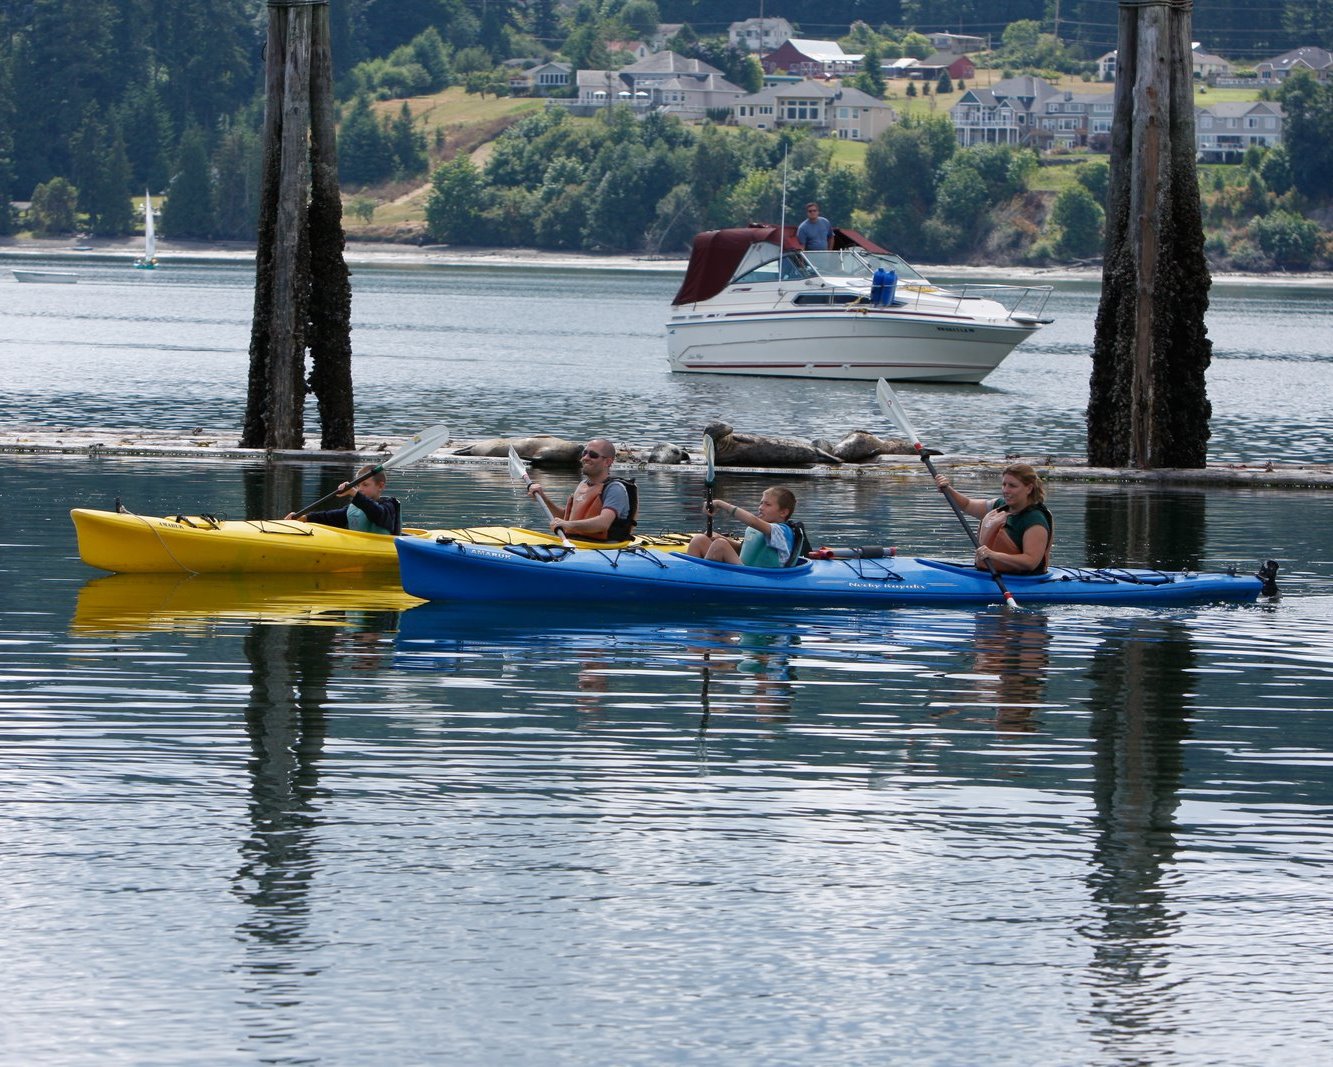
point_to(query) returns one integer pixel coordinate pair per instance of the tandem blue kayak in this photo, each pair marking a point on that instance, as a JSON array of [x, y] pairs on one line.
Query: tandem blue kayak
[[452, 570]]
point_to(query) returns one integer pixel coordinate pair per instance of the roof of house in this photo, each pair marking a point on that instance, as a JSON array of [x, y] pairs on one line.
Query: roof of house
[[1314, 58], [712, 83], [1236, 109], [669, 63], [808, 88], [823, 51]]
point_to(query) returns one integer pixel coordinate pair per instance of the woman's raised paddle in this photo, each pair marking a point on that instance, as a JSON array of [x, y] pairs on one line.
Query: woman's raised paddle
[[417, 448], [888, 403], [519, 473], [710, 473]]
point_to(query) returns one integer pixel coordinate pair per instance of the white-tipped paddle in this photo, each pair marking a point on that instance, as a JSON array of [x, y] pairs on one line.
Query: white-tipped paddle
[[418, 447], [888, 403], [710, 473]]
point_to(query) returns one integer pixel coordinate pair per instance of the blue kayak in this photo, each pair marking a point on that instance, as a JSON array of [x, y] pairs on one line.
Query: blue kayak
[[451, 570]]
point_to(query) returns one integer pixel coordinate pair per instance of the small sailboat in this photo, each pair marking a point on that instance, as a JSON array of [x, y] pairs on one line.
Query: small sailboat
[[149, 258]]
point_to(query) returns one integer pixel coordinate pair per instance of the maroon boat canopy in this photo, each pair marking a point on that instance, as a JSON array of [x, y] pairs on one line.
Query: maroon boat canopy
[[717, 253]]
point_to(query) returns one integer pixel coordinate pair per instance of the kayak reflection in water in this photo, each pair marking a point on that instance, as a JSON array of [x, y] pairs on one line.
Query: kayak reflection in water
[[368, 510], [1016, 527], [770, 540]]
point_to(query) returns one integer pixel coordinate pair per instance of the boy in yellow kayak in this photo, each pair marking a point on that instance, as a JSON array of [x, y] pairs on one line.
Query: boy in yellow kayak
[[368, 510]]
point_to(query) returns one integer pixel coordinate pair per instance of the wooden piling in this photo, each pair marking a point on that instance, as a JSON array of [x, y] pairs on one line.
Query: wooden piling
[[302, 287], [1148, 406]]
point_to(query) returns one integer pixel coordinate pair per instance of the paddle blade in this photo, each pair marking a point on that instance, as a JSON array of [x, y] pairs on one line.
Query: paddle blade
[[710, 460], [517, 470], [888, 403], [419, 447]]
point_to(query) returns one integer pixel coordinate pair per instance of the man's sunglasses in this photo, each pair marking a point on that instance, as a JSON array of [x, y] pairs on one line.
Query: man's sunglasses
[[594, 455]]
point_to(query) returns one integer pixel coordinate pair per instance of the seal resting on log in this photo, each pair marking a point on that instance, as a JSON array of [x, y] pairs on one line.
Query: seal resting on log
[[754, 450], [541, 450], [862, 445]]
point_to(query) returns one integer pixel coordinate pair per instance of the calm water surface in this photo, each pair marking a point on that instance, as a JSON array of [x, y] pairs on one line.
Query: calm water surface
[[489, 351], [302, 821]]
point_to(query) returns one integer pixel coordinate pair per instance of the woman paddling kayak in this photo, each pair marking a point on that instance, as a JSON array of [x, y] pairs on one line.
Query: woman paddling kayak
[[1016, 528]]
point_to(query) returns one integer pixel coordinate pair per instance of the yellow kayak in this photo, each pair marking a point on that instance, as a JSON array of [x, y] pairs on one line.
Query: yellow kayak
[[133, 603], [199, 544]]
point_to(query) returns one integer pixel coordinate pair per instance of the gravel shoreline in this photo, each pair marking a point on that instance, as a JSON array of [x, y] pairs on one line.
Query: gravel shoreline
[[387, 254]]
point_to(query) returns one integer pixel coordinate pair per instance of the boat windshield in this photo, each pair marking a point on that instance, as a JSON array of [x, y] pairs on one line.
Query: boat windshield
[[844, 263], [792, 266]]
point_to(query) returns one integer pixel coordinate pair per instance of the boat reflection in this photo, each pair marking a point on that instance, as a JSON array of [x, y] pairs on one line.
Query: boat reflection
[[744, 663], [130, 603]]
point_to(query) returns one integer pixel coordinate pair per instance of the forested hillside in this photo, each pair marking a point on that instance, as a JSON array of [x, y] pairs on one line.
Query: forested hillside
[[102, 99]]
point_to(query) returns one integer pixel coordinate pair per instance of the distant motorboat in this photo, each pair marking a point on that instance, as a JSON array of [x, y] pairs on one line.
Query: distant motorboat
[[754, 302], [66, 277], [148, 260]]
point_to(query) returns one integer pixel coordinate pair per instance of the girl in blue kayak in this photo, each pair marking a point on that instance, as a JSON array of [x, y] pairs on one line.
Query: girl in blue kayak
[[770, 540]]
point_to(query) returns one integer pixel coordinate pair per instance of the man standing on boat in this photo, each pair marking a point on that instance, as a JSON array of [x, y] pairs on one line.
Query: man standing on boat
[[601, 508], [816, 232]]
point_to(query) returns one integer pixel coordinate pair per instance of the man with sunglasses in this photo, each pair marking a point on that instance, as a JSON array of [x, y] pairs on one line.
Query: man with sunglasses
[[601, 508]]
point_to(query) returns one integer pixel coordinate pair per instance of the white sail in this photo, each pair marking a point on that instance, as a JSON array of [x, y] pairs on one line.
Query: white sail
[[149, 238]]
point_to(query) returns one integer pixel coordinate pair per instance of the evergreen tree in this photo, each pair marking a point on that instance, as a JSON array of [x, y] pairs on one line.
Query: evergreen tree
[[871, 78], [407, 144], [102, 172], [236, 168], [146, 123], [7, 172], [364, 157], [542, 23], [188, 211]]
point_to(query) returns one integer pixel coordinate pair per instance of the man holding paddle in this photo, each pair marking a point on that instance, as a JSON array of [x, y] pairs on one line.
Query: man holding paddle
[[600, 508]]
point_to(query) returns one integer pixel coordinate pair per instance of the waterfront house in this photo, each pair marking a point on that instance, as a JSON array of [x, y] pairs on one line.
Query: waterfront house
[[833, 110], [1222, 132], [1005, 113]]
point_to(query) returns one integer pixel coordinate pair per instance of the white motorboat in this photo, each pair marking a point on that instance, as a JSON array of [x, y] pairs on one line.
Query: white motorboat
[[68, 277], [753, 302]]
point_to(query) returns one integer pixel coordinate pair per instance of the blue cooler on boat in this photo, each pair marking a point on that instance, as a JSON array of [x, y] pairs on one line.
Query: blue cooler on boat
[[877, 286], [888, 288]]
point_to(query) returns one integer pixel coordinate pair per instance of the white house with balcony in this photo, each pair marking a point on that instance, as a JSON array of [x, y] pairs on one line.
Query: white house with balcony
[[1074, 120], [1222, 132], [1006, 113], [664, 81], [759, 35], [833, 110]]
